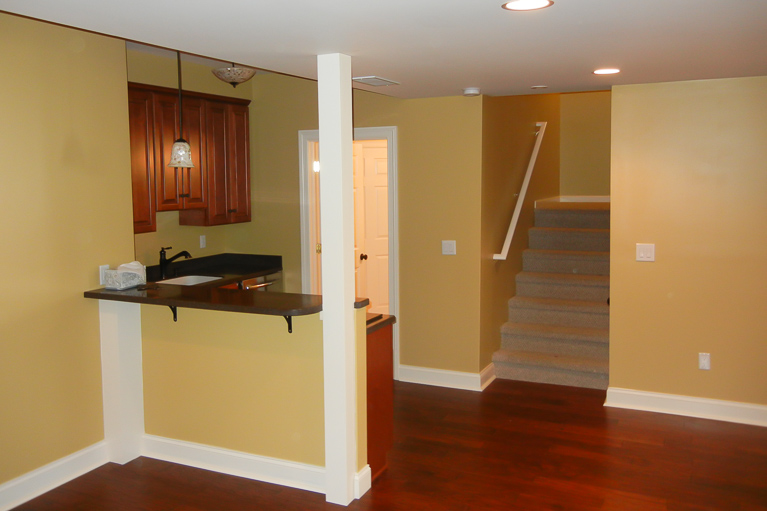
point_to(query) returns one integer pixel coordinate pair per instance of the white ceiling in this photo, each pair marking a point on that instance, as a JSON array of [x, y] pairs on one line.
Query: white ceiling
[[438, 47]]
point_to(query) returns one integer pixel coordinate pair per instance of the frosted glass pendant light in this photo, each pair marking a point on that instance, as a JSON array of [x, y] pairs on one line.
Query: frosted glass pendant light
[[234, 75], [180, 153]]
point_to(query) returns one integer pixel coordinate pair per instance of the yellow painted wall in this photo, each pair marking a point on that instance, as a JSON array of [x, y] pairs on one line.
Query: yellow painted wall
[[585, 143], [689, 173], [439, 193], [237, 381], [66, 204], [507, 144], [440, 150], [281, 106], [162, 71]]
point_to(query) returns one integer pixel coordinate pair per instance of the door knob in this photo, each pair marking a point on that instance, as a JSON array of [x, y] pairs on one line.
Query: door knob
[[363, 257]]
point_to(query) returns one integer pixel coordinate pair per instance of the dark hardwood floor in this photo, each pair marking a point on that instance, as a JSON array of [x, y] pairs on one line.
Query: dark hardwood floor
[[516, 446]]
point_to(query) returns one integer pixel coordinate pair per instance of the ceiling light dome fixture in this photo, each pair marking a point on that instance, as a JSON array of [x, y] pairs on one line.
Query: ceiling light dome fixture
[[471, 91], [527, 5], [234, 75]]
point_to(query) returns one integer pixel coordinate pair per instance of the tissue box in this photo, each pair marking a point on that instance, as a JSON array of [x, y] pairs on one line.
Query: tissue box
[[115, 279]]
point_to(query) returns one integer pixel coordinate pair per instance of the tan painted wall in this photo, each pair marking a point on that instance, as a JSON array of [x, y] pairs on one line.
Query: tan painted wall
[[237, 381], [281, 106], [585, 143], [66, 204], [439, 316], [439, 199], [689, 174], [507, 144]]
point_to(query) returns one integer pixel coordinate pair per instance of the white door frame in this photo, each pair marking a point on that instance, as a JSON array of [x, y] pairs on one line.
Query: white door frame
[[388, 133]]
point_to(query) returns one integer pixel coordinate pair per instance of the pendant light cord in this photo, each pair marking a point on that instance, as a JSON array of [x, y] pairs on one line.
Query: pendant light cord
[[180, 104]]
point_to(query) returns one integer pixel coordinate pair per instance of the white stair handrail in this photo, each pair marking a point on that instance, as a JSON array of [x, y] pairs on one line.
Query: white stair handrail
[[522, 193]]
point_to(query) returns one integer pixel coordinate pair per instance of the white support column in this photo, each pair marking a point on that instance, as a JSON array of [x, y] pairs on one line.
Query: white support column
[[337, 227], [122, 379]]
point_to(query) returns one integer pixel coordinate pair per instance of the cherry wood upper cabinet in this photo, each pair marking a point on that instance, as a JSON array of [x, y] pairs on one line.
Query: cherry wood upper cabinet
[[216, 190], [140, 108], [178, 188], [228, 167]]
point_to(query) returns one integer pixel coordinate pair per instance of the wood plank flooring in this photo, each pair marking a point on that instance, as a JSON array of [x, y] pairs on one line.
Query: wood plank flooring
[[516, 446]]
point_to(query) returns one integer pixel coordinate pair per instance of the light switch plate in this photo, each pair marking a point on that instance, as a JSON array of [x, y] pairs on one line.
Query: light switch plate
[[646, 252], [448, 247], [203, 241]]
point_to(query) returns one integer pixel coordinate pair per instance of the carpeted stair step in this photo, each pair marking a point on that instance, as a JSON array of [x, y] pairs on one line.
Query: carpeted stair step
[[565, 286], [566, 261], [575, 218], [554, 339], [559, 238], [551, 311], [547, 368]]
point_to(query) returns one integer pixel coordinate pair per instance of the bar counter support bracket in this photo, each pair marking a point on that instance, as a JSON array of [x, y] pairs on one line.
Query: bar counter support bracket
[[289, 319], [174, 309]]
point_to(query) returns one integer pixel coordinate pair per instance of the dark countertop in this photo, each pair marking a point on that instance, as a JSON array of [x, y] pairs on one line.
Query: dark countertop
[[212, 296], [215, 298], [378, 321], [231, 267]]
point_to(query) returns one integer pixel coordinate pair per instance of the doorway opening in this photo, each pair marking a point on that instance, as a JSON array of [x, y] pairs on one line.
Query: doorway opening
[[375, 225]]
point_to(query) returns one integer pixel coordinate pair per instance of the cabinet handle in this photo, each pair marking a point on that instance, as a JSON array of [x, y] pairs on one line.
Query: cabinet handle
[[184, 195], [232, 211]]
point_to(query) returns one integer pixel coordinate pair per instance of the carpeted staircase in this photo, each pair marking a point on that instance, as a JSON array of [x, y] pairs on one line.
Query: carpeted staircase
[[558, 321]]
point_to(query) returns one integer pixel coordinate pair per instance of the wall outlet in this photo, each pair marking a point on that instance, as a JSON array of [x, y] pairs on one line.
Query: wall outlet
[[646, 252], [448, 247], [203, 241], [704, 361], [101, 273]]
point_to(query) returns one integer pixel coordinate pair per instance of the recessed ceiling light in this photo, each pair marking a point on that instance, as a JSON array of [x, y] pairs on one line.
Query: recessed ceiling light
[[526, 5], [607, 71], [539, 87]]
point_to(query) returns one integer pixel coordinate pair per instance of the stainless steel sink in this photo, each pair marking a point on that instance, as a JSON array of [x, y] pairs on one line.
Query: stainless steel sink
[[189, 280]]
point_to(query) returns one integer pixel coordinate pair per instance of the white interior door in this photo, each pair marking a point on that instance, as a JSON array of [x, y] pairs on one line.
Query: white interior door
[[360, 276], [374, 257]]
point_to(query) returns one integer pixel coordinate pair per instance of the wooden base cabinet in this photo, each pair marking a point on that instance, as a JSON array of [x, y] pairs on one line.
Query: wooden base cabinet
[[216, 190], [380, 393]]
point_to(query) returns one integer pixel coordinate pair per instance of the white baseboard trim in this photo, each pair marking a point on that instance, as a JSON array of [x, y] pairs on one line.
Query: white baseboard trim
[[444, 378], [261, 468], [24, 488], [487, 376], [729, 411], [363, 481]]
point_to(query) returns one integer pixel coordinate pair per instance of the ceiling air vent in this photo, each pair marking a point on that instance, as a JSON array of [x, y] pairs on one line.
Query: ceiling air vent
[[375, 81]]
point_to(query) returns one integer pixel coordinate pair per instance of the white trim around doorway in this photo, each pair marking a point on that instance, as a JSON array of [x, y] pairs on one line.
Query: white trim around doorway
[[388, 133]]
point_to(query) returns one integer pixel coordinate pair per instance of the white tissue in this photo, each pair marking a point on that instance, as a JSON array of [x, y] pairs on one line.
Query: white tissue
[[125, 276], [134, 267]]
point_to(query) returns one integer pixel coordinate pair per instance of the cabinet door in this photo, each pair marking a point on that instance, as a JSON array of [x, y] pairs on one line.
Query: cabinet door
[[167, 179], [217, 142], [193, 191], [179, 188], [238, 170], [142, 160], [227, 163]]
